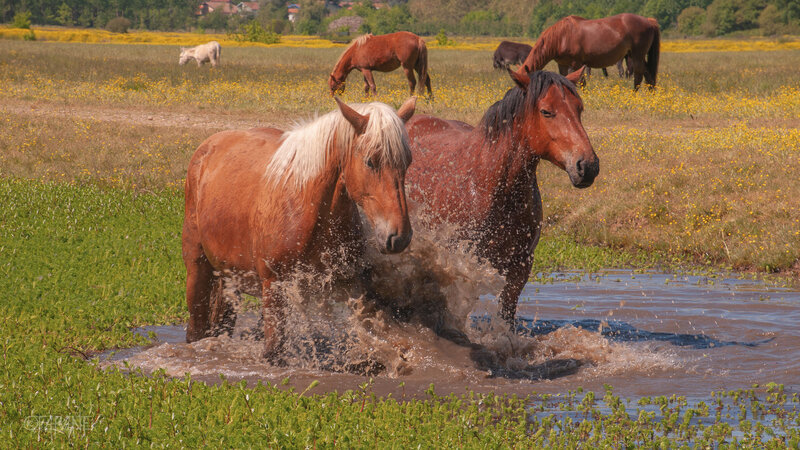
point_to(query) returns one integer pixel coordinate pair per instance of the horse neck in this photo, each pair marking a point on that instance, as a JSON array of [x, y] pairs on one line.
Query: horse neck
[[328, 202], [506, 162], [344, 66], [544, 51]]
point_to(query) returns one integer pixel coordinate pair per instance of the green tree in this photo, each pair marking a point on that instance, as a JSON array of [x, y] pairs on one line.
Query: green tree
[[64, 15], [481, 22], [770, 21], [664, 11], [22, 20], [725, 16], [690, 20], [309, 20]]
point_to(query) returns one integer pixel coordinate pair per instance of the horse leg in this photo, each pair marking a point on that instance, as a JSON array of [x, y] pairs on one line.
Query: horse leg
[[366, 86], [273, 312], [639, 69], [516, 278], [199, 282], [223, 314], [428, 86], [370, 81], [412, 82], [605, 72], [650, 80], [620, 70]]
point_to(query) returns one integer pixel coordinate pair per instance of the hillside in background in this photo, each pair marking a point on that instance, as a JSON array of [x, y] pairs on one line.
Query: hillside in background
[[426, 17]]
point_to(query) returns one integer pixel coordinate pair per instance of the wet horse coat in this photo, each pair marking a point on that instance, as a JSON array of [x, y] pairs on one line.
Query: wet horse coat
[[483, 178], [260, 201]]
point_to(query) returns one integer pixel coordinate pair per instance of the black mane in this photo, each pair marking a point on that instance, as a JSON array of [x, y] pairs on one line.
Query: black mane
[[500, 116]]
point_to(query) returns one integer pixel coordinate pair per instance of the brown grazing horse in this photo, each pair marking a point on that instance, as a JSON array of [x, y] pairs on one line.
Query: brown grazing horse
[[260, 201], [574, 41], [509, 53], [383, 53], [484, 179]]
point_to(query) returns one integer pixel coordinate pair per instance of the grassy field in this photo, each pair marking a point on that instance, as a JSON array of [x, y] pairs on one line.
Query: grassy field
[[95, 141]]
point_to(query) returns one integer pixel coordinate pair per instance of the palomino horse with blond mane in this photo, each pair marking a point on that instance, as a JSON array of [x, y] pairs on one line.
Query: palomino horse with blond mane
[[209, 52], [483, 179], [574, 41], [260, 201], [383, 53]]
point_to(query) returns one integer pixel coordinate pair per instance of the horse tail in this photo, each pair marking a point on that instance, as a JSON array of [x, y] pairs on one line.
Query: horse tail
[[653, 53], [423, 68]]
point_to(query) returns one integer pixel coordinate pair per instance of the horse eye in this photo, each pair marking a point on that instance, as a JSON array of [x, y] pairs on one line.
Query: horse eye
[[547, 113], [370, 164]]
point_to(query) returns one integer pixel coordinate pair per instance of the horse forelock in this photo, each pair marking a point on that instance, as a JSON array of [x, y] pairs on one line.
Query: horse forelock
[[305, 151], [499, 118]]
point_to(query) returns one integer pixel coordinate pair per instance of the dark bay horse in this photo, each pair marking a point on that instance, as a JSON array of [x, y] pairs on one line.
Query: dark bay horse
[[509, 53], [260, 201], [383, 53], [574, 41], [483, 179]]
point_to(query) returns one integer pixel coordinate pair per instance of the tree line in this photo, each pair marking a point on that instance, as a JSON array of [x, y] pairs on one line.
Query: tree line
[[425, 17]]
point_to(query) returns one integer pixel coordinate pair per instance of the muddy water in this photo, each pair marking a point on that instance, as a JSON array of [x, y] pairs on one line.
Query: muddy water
[[644, 334]]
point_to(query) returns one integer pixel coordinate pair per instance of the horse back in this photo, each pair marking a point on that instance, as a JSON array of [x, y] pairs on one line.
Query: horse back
[[387, 52]]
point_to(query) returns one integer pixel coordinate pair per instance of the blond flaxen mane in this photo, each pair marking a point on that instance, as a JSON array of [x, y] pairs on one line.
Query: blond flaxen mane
[[306, 150]]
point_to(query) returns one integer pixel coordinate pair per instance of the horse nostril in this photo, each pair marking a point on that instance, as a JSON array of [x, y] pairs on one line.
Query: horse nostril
[[580, 166], [390, 241], [396, 243]]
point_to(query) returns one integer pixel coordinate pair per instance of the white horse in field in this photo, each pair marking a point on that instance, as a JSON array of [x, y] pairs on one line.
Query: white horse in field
[[209, 52]]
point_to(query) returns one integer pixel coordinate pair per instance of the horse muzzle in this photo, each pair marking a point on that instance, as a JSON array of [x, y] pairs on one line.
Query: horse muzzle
[[395, 242], [583, 172]]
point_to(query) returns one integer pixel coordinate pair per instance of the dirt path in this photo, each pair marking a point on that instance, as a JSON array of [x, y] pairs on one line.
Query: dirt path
[[228, 120], [207, 120]]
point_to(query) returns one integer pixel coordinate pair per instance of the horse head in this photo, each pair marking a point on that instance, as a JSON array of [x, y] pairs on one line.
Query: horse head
[[375, 168], [551, 125], [336, 85], [185, 56]]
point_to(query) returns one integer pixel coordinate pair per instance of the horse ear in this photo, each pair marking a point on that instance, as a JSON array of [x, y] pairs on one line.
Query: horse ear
[[522, 79], [358, 121], [407, 109], [577, 76]]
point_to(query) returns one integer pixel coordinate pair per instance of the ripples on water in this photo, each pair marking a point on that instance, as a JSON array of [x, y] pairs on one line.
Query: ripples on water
[[644, 333]]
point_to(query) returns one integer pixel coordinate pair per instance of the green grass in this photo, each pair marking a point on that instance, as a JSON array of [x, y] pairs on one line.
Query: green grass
[[81, 265]]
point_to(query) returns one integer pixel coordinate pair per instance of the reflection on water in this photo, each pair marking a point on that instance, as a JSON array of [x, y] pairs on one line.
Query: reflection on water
[[644, 334]]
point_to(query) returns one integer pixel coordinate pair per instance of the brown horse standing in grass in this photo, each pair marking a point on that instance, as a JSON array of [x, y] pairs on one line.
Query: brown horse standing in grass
[[509, 53], [260, 201], [383, 53], [484, 179], [574, 41]]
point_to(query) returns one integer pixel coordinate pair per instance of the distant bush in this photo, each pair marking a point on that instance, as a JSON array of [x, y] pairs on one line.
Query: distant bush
[[770, 21], [118, 25], [22, 20], [29, 36], [443, 40], [691, 19], [254, 32]]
